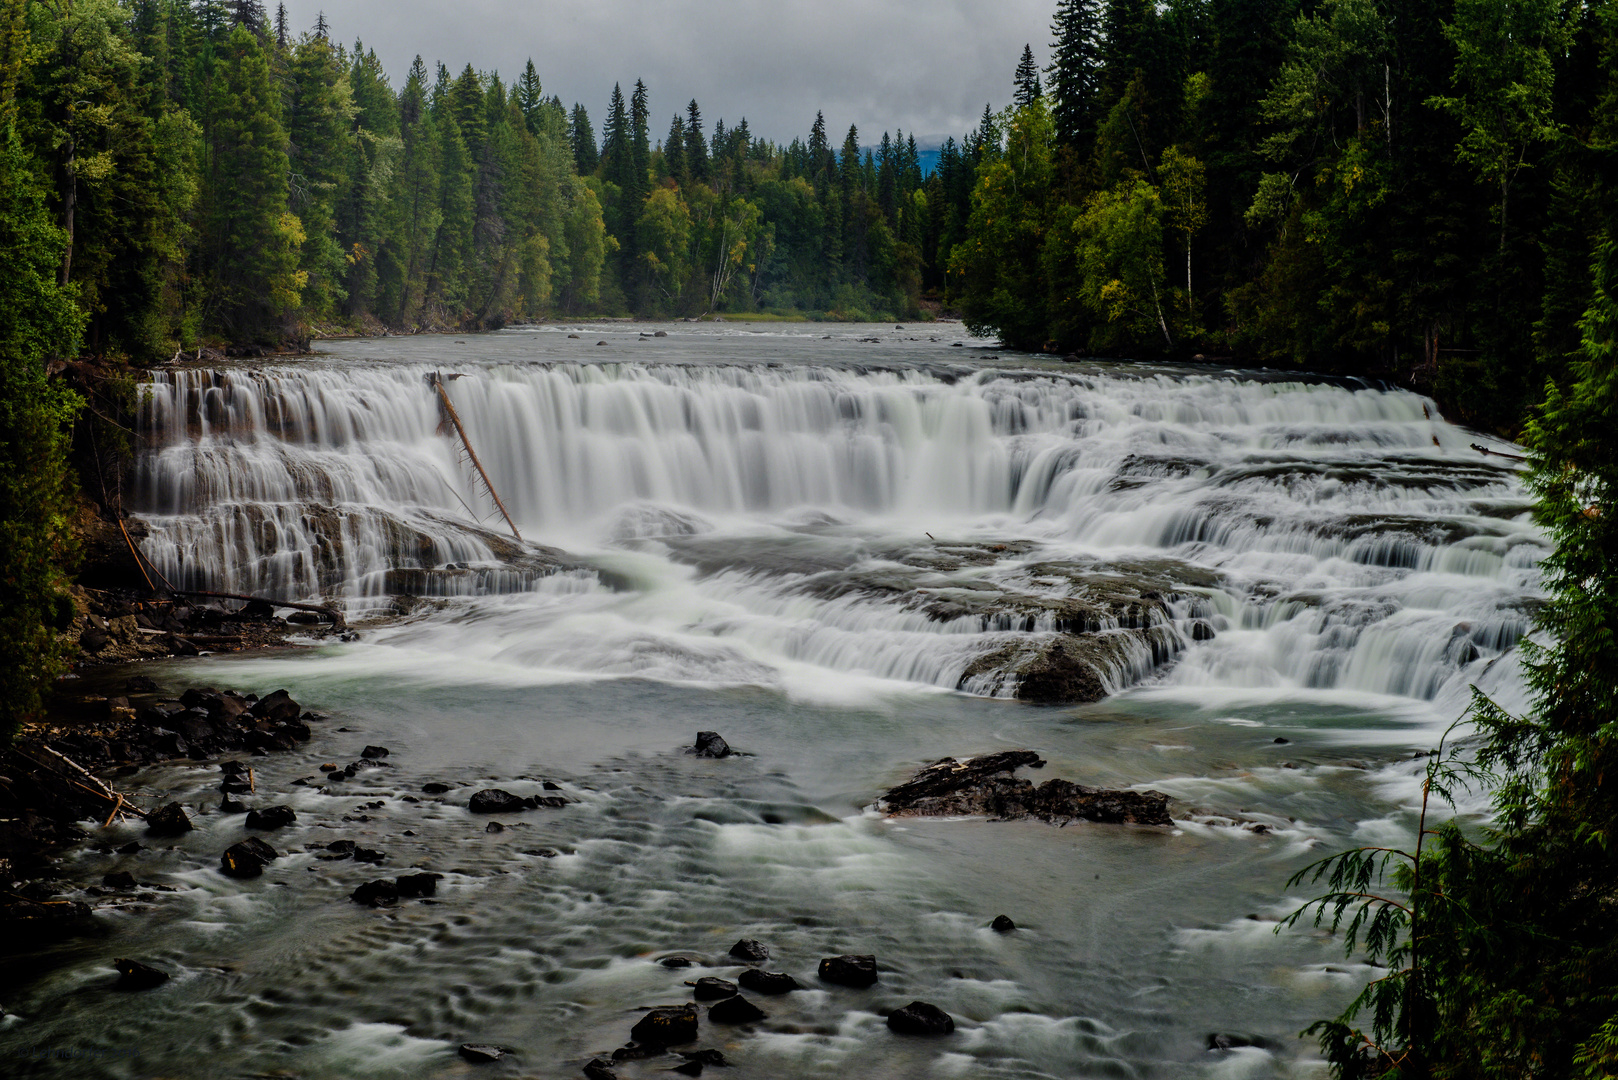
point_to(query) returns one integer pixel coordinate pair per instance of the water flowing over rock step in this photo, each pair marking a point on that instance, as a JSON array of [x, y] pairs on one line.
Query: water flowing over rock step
[[985, 786]]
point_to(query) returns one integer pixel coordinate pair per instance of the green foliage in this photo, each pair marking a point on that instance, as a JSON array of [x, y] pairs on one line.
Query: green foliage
[[38, 322]]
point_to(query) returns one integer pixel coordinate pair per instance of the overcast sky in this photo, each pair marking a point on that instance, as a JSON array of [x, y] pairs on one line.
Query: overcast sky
[[927, 66]]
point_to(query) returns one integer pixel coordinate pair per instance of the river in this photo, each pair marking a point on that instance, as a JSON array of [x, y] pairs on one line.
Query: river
[[850, 550]]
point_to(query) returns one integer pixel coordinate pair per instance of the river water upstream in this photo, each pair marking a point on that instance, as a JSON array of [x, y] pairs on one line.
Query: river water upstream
[[850, 550]]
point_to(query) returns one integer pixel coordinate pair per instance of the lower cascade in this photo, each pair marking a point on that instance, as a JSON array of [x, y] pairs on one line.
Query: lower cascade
[[1049, 533]]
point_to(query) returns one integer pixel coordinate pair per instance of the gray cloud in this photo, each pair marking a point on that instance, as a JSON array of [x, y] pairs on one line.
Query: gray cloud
[[927, 67]]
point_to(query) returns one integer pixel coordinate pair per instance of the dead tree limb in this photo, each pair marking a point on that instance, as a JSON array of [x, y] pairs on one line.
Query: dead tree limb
[[1486, 452], [437, 382]]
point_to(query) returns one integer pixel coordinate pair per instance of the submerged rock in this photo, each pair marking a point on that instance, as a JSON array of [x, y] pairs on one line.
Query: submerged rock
[[134, 975], [271, 817], [171, 820], [735, 1010], [666, 1026], [985, 786], [246, 859], [1002, 924], [920, 1018], [767, 982], [750, 950], [376, 893], [707, 989], [857, 970], [481, 1053], [711, 745], [413, 885], [496, 801]]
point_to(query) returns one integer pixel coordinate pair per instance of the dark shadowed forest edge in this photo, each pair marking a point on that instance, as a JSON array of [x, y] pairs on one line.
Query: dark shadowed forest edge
[[1418, 190]]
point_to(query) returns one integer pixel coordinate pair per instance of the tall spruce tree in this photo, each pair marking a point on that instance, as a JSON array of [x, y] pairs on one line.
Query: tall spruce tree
[[1075, 73], [1026, 81]]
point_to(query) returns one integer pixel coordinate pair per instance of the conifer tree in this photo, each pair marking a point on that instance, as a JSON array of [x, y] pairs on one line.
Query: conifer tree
[[530, 97], [674, 152], [696, 149], [1075, 73], [582, 135], [1026, 81]]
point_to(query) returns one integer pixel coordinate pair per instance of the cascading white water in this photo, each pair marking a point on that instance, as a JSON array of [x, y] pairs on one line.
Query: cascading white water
[[1328, 536]]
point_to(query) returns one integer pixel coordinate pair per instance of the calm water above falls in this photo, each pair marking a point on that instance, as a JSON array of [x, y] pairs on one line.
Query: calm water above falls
[[825, 548]]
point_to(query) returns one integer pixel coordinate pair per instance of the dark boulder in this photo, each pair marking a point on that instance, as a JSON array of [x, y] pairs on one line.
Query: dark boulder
[[171, 820], [1222, 1041], [118, 879], [596, 1069], [985, 786], [369, 855], [411, 885], [482, 1053], [767, 982], [709, 744], [227, 805], [920, 1018], [246, 859], [497, 801], [706, 1057], [278, 706], [341, 847], [689, 1068], [750, 950], [708, 989], [856, 971], [1002, 924], [374, 752], [676, 961], [634, 1051], [271, 817], [434, 788], [378, 893], [666, 1026], [140, 684], [735, 1010], [134, 975]]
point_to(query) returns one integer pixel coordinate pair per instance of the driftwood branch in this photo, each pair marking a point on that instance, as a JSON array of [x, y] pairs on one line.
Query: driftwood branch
[[437, 382], [1486, 452], [79, 778]]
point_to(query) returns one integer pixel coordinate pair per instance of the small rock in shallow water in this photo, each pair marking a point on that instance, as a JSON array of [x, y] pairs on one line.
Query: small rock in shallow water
[[134, 975], [171, 820], [690, 1068], [710, 744], [494, 826], [708, 989], [271, 817], [920, 1018], [767, 982], [596, 1069], [120, 879], [1221, 1041], [707, 1057], [1002, 924], [634, 1051], [750, 950], [419, 884], [342, 847], [496, 801], [376, 893], [666, 1026], [246, 859], [481, 1053], [735, 1010], [856, 971], [130, 848], [434, 788], [369, 855], [667, 961], [374, 752]]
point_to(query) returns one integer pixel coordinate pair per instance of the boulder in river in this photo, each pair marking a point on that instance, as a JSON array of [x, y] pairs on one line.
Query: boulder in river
[[750, 950], [481, 1053], [735, 1010], [710, 988], [411, 885], [434, 788], [985, 786], [711, 744], [246, 859], [378, 893], [271, 817], [374, 752], [856, 970], [1002, 924], [171, 820], [134, 975], [920, 1018], [597, 1069], [666, 1026], [767, 982]]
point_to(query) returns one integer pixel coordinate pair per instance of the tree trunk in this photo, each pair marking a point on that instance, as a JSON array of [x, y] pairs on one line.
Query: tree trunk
[[70, 199]]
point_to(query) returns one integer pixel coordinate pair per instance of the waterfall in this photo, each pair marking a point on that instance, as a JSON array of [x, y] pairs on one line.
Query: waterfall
[[893, 521]]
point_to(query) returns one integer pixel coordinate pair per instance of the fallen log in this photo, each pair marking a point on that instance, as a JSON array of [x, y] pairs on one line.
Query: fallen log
[[437, 382], [77, 777]]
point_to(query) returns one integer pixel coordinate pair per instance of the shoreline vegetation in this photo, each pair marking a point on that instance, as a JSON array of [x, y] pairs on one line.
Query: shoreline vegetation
[[1401, 189]]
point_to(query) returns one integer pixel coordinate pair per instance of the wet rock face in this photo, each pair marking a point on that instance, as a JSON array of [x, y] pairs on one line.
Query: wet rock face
[[767, 982], [666, 1026], [711, 989], [920, 1018], [711, 745], [134, 975], [171, 820], [750, 950], [856, 971], [984, 786], [246, 859], [735, 1010]]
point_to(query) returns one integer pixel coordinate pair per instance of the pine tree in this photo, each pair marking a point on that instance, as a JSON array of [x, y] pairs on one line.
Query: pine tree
[[530, 97], [582, 136], [1075, 73], [1027, 80], [674, 152], [696, 149], [318, 119]]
